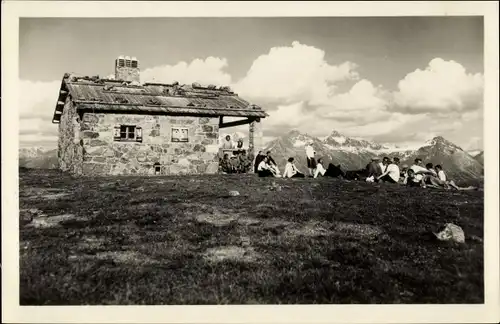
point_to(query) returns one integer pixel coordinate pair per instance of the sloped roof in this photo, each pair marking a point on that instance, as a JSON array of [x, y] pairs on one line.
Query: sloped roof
[[105, 95]]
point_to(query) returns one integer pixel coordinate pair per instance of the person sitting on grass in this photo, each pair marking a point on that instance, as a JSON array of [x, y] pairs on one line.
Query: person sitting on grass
[[225, 165], [391, 173], [411, 180], [319, 168], [272, 163], [258, 159], [291, 170], [244, 162], [264, 169], [373, 170], [431, 178], [403, 173], [420, 171], [445, 182]]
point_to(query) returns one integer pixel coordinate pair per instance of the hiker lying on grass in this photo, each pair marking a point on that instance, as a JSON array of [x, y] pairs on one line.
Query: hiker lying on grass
[[332, 171], [442, 180], [291, 170]]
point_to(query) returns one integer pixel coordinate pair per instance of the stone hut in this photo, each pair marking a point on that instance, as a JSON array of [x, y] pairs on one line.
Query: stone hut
[[120, 126]]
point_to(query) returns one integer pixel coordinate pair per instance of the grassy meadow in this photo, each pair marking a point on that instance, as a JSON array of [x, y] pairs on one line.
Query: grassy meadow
[[186, 240]]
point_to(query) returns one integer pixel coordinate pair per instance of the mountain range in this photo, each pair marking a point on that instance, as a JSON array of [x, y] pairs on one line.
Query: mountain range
[[38, 158], [354, 154], [351, 153]]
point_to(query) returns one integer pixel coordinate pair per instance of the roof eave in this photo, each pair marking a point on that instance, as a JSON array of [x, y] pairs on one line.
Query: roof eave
[[61, 98]]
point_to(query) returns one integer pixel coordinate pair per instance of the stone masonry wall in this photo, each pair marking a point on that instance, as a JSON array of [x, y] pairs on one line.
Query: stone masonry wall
[[127, 73], [70, 150], [104, 156]]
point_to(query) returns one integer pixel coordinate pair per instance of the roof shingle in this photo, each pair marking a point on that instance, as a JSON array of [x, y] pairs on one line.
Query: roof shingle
[[154, 98]]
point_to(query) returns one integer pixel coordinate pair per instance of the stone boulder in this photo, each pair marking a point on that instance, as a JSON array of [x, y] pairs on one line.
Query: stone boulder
[[451, 232]]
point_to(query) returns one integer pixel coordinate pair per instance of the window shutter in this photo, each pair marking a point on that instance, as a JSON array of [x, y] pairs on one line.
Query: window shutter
[[116, 133], [138, 134]]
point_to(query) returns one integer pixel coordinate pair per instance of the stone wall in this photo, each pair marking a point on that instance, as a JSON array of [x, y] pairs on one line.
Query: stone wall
[[103, 155], [70, 150]]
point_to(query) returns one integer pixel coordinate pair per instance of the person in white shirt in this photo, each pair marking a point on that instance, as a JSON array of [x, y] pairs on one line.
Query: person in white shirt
[[291, 170], [383, 165], [311, 162], [391, 173], [319, 169], [440, 173], [420, 171], [446, 183], [410, 179], [227, 143], [264, 169]]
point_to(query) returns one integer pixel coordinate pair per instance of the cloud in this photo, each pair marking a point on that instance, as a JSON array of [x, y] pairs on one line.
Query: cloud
[[292, 74], [444, 86], [300, 90], [363, 103], [36, 108], [207, 71]]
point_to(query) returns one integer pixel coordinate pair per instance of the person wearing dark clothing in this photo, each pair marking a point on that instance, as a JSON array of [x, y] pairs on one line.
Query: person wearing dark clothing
[[225, 165], [334, 171], [270, 159], [258, 159], [264, 169], [244, 162], [373, 168]]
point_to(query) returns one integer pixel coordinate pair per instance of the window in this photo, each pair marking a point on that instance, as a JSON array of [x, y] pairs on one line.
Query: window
[[128, 133], [180, 134]]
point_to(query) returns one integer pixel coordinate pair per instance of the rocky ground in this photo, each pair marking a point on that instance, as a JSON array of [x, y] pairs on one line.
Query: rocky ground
[[191, 240]]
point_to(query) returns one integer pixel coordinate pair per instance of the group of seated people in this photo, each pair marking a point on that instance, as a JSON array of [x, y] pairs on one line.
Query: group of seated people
[[237, 160], [415, 176], [238, 163], [387, 171], [265, 166]]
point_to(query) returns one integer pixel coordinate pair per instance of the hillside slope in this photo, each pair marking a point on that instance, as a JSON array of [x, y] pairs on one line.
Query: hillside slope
[[480, 157]]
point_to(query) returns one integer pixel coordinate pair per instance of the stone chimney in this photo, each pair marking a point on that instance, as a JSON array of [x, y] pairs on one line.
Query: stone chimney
[[127, 69]]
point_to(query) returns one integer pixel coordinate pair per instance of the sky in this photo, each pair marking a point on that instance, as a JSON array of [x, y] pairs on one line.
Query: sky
[[398, 80]]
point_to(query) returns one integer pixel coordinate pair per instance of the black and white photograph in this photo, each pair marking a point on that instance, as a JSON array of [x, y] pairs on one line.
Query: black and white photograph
[[252, 160]]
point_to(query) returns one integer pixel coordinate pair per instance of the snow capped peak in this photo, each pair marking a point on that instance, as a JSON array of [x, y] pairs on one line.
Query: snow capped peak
[[440, 141]]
